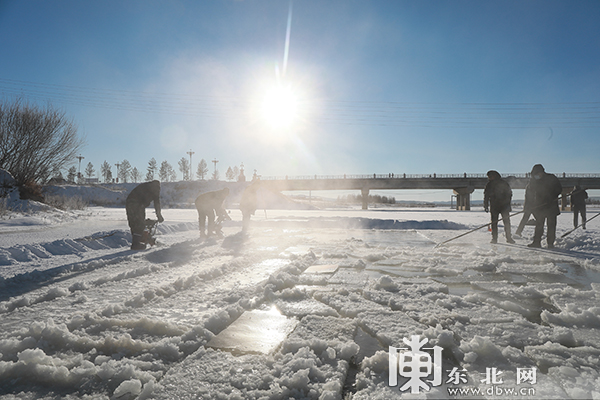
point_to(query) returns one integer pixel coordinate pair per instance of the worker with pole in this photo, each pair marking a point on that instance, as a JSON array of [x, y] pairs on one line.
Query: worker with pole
[[546, 189], [497, 196]]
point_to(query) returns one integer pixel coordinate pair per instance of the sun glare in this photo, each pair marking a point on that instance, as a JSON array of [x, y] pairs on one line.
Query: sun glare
[[279, 107]]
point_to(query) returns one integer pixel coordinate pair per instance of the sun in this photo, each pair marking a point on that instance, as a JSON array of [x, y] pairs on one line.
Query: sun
[[280, 107]]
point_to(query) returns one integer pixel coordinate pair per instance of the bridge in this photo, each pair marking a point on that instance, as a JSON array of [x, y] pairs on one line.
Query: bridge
[[462, 184]]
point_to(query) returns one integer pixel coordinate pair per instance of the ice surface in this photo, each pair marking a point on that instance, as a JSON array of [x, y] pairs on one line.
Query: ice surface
[[256, 331], [322, 269], [82, 316]]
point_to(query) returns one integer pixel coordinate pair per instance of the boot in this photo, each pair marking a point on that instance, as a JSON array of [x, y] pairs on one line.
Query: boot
[[507, 230], [509, 238], [136, 242]]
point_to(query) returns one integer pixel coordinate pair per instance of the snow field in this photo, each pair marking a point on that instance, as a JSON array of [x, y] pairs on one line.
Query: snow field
[[100, 321]]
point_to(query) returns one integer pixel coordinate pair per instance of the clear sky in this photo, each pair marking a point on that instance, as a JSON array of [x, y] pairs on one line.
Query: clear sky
[[413, 87]]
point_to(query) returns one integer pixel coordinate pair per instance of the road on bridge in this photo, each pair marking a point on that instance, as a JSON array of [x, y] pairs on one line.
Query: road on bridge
[[462, 185]]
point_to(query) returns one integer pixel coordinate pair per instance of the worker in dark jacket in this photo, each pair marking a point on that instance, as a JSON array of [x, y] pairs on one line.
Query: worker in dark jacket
[[546, 189], [497, 196], [207, 205], [578, 197], [135, 205]]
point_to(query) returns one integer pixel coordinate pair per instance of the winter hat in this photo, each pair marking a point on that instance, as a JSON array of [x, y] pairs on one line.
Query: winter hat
[[537, 169], [493, 174]]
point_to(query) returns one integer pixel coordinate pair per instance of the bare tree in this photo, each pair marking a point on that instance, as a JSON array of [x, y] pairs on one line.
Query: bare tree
[[34, 141], [184, 167], [89, 170], [136, 175], [229, 174], [57, 174], [166, 172], [202, 169], [72, 174], [106, 171], [152, 168], [124, 171]]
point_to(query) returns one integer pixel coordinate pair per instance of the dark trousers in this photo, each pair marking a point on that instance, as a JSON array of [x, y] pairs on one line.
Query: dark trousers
[[505, 218], [205, 214], [540, 221], [524, 219], [576, 211], [136, 217]]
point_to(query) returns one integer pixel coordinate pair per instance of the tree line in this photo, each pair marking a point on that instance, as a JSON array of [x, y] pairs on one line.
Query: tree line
[[126, 173], [373, 198], [38, 142]]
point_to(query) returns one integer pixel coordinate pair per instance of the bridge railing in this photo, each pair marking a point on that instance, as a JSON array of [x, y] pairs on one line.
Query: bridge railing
[[420, 176], [381, 176]]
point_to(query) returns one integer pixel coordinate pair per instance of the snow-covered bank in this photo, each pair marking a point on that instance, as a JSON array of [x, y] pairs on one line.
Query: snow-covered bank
[[82, 316], [173, 194]]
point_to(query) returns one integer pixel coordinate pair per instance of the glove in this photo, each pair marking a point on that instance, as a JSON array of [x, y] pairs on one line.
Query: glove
[[161, 219], [487, 209]]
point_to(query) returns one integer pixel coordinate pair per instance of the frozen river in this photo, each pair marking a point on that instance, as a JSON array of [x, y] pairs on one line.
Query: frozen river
[[309, 305]]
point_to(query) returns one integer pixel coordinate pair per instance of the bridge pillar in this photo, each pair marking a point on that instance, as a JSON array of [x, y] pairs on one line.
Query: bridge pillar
[[463, 198], [365, 198]]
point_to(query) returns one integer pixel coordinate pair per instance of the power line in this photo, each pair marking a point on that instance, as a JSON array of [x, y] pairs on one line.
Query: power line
[[372, 113]]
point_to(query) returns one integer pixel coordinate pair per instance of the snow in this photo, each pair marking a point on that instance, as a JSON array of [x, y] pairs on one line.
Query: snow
[[82, 316]]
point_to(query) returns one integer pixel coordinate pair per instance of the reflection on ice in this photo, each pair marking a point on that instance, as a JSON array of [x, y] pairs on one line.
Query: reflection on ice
[[321, 269], [295, 250], [400, 238], [256, 331]]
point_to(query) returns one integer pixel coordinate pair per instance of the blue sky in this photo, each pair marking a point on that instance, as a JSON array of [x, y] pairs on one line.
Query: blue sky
[[413, 87]]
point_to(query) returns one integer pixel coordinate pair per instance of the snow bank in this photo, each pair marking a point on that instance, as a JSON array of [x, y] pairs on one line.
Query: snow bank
[[173, 194]]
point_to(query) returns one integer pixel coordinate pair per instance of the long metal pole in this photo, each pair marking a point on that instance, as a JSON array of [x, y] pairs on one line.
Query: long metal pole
[[473, 230], [585, 222], [483, 226]]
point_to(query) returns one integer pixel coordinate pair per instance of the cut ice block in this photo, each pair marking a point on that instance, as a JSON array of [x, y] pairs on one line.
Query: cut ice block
[[322, 269], [295, 250], [254, 331]]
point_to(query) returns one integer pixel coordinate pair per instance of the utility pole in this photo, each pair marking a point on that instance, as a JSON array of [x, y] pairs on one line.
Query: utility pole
[[79, 157], [215, 161], [190, 153], [118, 165]]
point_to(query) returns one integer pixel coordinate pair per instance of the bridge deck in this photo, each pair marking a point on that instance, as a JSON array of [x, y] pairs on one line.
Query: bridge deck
[[463, 185], [389, 182]]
